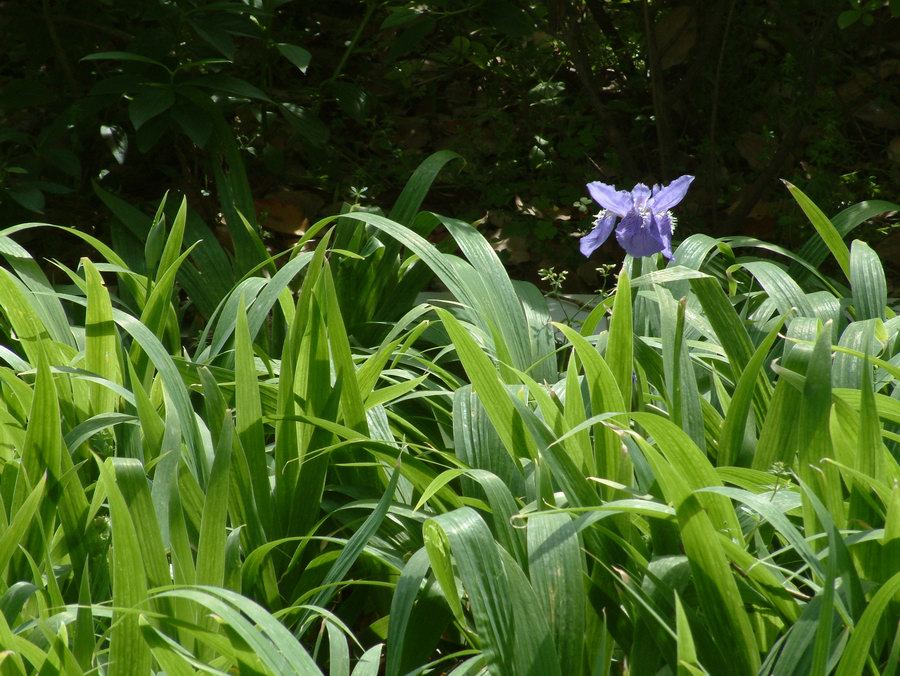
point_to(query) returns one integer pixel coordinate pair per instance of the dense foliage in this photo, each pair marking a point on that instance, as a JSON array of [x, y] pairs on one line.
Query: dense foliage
[[699, 474], [242, 432], [282, 109]]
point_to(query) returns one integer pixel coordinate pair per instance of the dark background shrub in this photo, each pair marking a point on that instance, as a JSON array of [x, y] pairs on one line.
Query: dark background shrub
[[286, 109]]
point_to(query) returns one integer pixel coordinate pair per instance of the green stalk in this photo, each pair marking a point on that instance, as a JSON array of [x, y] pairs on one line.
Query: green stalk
[[370, 10]]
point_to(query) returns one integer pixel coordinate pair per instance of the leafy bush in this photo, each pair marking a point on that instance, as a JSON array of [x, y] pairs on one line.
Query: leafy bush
[[700, 476], [241, 104]]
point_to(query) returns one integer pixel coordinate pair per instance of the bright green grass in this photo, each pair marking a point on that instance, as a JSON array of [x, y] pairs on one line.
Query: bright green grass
[[330, 478]]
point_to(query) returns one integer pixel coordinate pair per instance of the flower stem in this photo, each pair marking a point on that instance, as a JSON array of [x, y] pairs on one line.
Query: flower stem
[[636, 267]]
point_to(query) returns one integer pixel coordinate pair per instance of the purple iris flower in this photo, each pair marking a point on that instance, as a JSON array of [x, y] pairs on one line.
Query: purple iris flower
[[646, 225]]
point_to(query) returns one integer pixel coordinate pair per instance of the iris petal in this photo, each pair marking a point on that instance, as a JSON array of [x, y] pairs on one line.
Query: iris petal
[[664, 227], [664, 223], [640, 194], [601, 232], [616, 201], [670, 195], [639, 236]]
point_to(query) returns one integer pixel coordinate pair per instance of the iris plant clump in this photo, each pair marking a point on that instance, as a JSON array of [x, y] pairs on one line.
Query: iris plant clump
[[646, 221], [452, 463]]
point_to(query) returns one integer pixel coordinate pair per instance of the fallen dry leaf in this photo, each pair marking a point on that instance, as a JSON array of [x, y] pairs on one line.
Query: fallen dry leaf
[[288, 212]]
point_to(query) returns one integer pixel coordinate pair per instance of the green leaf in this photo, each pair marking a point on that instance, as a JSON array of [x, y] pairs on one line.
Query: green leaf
[[296, 55], [228, 84], [534, 640], [813, 431], [45, 302], [827, 232], [687, 653], [490, 389], [732, 436], [42, 451], [211, 547], [556, 570], [853, 661], [249, 416], [29, 197], [867, 282], [131, 478], [342, 361], [483, 577], [156, 238], [732, 335], [352, 99], [122, 56], [128, 653], [159, 315], [871, 454], [100, 351], [499, 304], [768, 510], [353, 548], [258, 311], [693, 465], [173, 384], [866, 337], [410, 200], [193, 122], [216, 37], [174, 239], [731, 633], [338, 650], [848, 18], [405, 593], [369, 663], [781, 288], [14, 533], [681, 382], [149, 103], [619, 349], [306, 124], [605, 397], [270, 642]]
